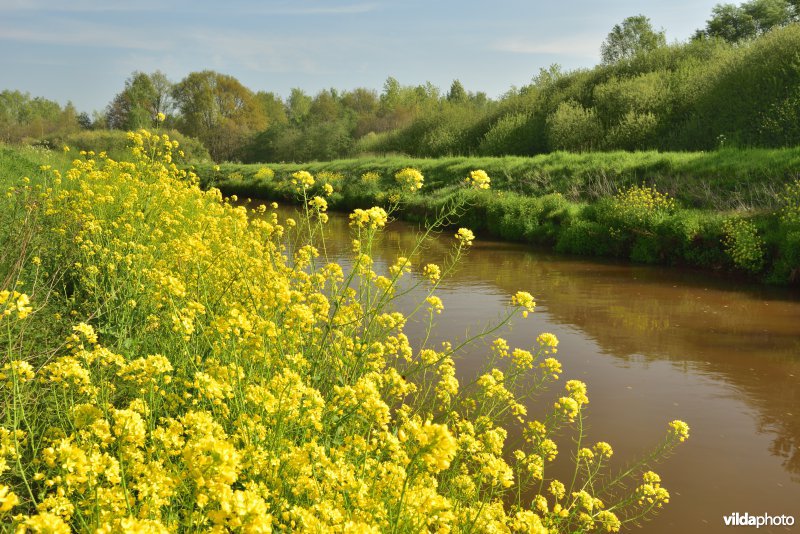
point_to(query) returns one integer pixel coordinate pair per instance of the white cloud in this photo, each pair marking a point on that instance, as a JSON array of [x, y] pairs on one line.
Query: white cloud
[[83, 35], [579, 46]]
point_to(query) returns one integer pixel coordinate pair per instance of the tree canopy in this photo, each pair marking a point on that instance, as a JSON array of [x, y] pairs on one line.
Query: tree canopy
[[633, 36], [736, 23]]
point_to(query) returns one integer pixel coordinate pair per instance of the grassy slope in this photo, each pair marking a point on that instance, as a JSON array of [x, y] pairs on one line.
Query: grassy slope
[[725, 179], [565, 200]]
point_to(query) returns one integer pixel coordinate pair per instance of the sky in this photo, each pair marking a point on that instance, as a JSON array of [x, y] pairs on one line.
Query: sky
[[83, 50]]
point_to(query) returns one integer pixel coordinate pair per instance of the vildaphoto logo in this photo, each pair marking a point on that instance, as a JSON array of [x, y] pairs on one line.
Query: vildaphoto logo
[[764, 520]]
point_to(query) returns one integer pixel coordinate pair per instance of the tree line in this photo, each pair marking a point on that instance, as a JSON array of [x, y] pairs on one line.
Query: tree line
[[736, 82]]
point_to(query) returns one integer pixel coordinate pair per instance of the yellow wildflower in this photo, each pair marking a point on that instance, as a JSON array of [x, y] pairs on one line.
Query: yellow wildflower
[[465, 237], [409, 178], [478, 179]]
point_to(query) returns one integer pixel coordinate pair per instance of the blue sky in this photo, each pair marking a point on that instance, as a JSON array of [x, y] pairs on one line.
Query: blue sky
[[83, 50]]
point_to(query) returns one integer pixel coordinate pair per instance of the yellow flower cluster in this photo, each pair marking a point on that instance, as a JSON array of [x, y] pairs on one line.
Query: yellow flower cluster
[[370, 177], [525, 300], [465, 237], [432, 272], [646, 198], [302, 180], [14, 302], [478, 179], [790, 213], [265, 173], [409, 179], [743, 244], [373, 218], [680, 430], [319, 204]]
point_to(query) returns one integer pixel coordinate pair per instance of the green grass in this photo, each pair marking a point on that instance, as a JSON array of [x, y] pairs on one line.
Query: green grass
[[17, 162], [719, 180], [570, 202]]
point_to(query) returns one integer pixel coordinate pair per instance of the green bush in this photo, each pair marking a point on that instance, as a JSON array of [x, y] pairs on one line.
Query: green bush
[[586, 238], [573, 127], [743, 244], [635, 131], [115, 143], [508, 135]]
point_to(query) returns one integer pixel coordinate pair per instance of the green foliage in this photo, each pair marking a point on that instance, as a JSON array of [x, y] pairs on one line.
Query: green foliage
[[510, 134], [573, 127], [634, 36], [643, 93], [646, 95], [768, 67], [116, 144], [219, 111], [750, 19], [586, 204], [25, 118], [635, 131], [743, 244], [790, 212], [457, 93], [144, 97]]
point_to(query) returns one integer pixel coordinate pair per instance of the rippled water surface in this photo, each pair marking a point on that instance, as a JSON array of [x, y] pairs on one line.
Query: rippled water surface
[[653, 345]]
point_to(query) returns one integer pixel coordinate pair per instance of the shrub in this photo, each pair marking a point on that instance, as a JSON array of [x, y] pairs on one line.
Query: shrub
[[508, 135], [743, 244], [635, 131], [573, 127], [265, 173]]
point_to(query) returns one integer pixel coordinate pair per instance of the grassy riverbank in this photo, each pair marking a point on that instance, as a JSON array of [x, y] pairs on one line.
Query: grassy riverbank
[[726, 214]]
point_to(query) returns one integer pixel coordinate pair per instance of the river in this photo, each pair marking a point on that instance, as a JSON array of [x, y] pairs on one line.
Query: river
[[653, 345]]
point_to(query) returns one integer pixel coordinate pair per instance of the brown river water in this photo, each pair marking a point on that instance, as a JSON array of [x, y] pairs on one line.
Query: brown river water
[[653, 345]]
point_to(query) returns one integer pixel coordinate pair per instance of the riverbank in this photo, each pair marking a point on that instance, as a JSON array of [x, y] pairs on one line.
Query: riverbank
[[721, 211]]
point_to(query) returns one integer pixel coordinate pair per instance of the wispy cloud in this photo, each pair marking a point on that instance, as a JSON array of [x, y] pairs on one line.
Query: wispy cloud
[[93, 6], [83, 36], [350, 9], [260, 52], [579, 46], [79, 6]]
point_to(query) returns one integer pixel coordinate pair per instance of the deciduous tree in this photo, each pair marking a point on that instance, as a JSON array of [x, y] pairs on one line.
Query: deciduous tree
[[633, 36]]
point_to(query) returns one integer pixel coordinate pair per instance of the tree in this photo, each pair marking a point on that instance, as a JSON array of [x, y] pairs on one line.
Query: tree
[[548, 76], [272, 107], [84, 121], [362, 101], [299, 104], [457, 93], [731, 23], [325, 106], [390, 97], [144, 96], [162, 93], [750, 19], [22, 116], [635, 35], [218, 110]]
